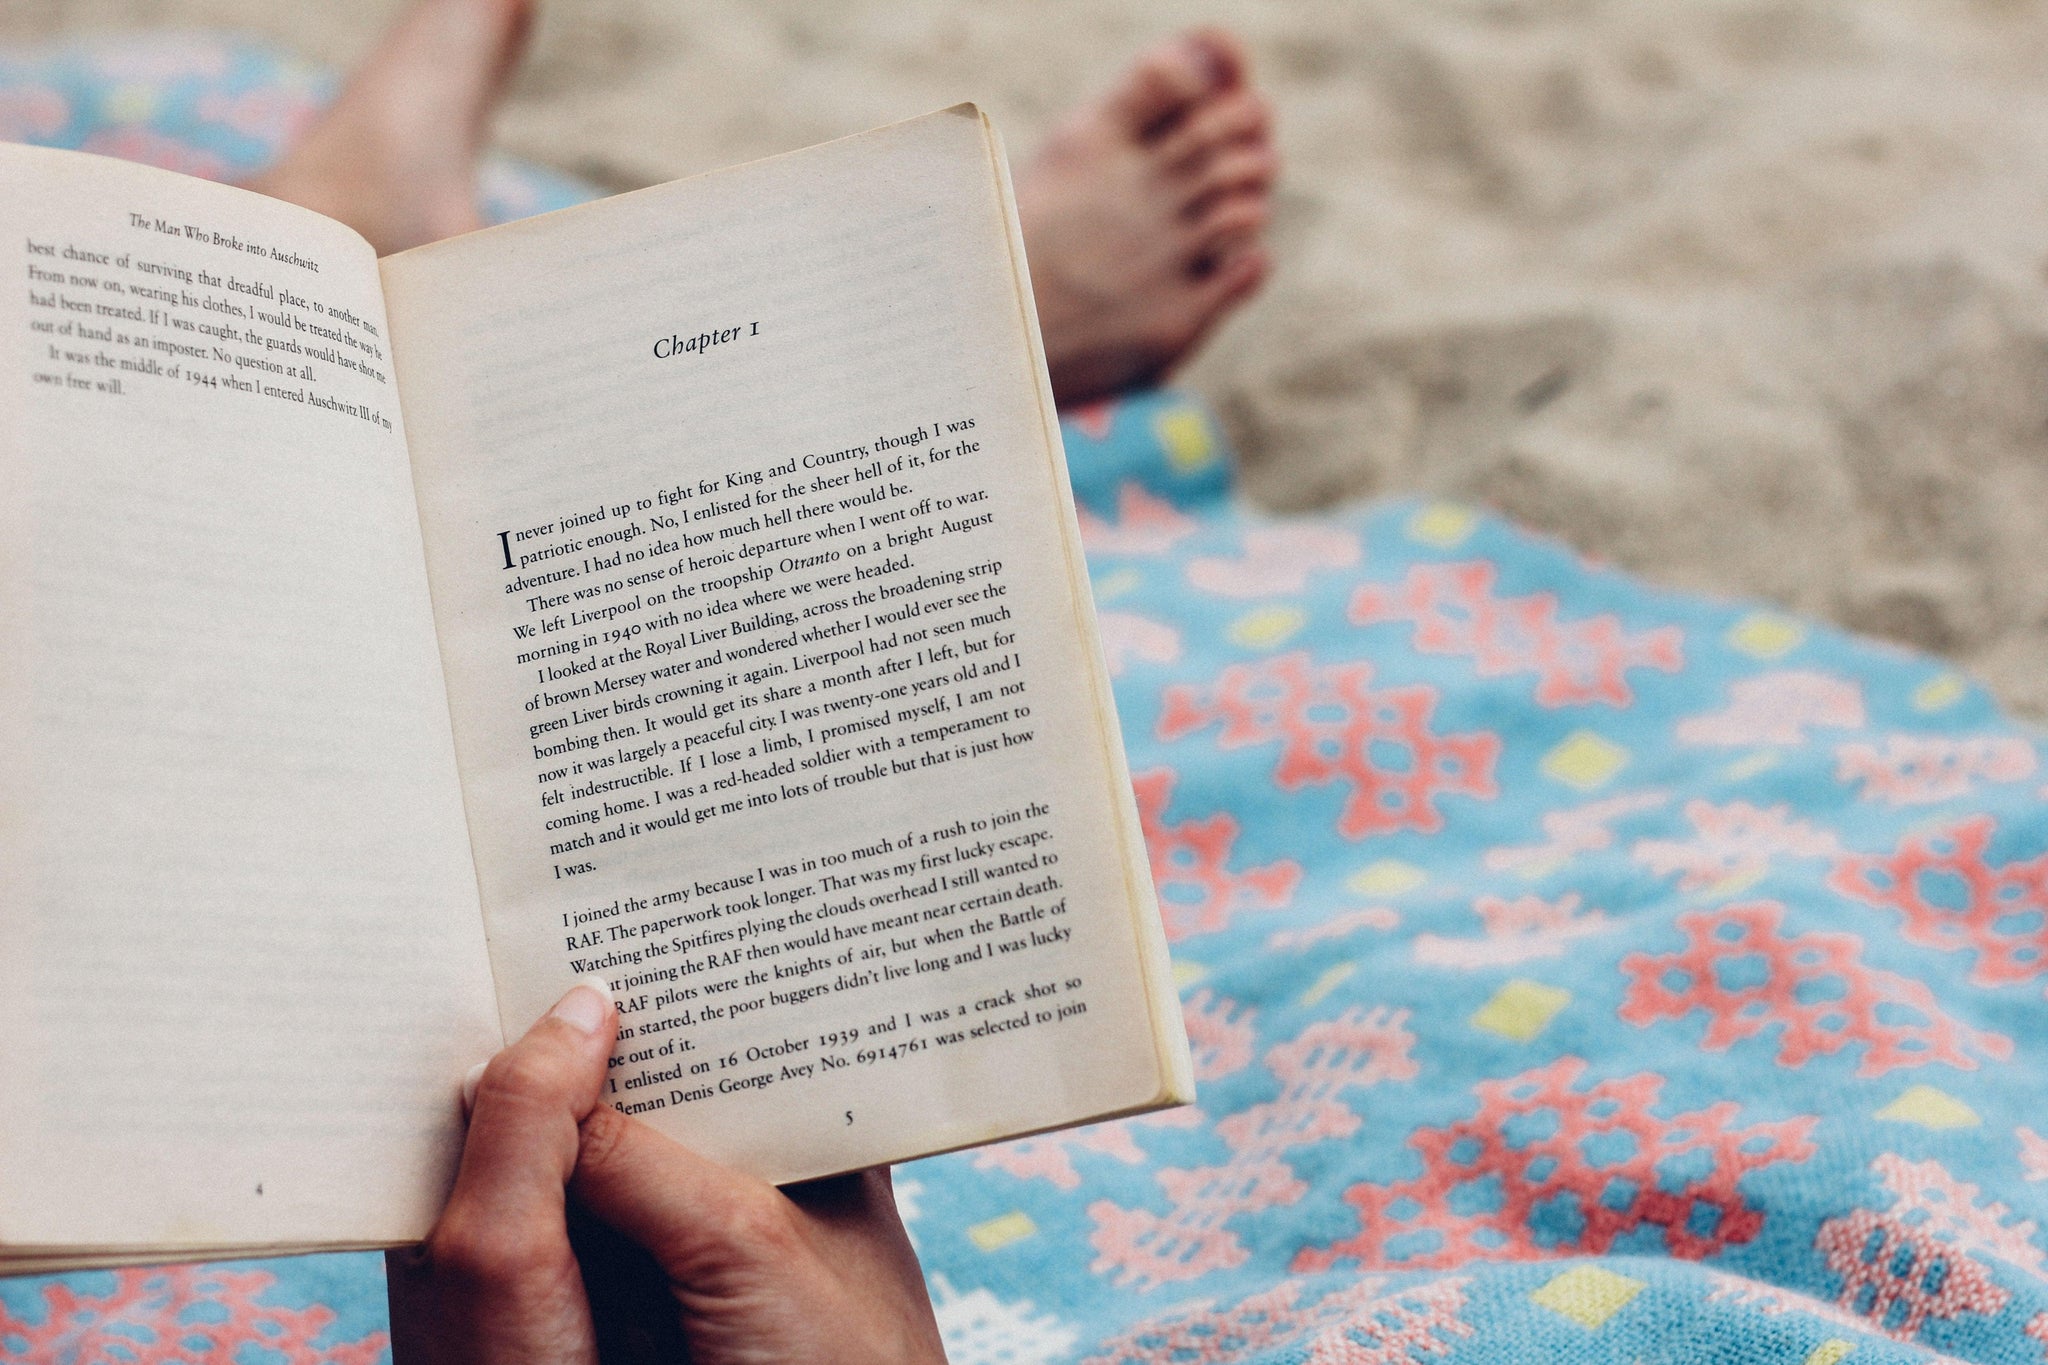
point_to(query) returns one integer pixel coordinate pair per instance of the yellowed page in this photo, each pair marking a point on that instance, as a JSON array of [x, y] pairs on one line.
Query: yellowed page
[[241, 964], [771, 660], [46, 1263]]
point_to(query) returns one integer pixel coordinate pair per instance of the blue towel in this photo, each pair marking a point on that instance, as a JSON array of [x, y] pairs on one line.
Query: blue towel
[[1576, 971]]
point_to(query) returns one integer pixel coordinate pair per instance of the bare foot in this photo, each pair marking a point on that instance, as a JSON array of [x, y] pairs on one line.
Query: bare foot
[[396, 156], [1143, 216]]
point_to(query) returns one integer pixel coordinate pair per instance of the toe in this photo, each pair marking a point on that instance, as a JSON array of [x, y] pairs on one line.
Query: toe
[[1225, 226], [1170, 80], [1238, 171], [1223, 52], [1228, 281], [1240, 116], [1231, 279], [1235, 277]]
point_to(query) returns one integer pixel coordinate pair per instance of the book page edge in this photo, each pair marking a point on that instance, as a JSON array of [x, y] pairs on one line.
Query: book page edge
[[1169, 1032]]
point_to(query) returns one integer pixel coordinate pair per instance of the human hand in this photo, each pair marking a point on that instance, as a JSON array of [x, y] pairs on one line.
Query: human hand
[[750, 1273]]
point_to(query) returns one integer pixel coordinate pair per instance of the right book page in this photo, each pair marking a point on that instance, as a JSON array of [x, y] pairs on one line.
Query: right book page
[[771, 659]]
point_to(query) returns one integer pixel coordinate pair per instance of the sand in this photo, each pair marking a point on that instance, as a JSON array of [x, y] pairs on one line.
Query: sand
[[1745, 296]]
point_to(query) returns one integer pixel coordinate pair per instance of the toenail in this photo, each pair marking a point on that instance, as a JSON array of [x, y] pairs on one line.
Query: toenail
[[1215, 68]]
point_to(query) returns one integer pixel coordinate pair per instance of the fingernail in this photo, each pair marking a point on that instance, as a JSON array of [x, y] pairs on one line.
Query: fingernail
[[469, 1084], [585, 1006]]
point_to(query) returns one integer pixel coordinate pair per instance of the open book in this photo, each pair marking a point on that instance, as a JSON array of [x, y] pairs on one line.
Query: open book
[[681, 589]]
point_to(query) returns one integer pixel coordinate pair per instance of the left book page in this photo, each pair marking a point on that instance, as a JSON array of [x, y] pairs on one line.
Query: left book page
[[242, 966]]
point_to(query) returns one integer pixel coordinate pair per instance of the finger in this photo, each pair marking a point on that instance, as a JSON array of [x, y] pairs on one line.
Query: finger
[[828, 1259], [693, 1215], [523, 1121], [496, 1279]]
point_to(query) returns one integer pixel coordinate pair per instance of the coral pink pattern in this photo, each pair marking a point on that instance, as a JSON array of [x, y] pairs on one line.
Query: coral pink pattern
[[1198, 894], [1891, 1262], [1359, 1324], [1147, 1249], [1050, 1157], [1520, 930], [2033, 1153], [1736, 843], [1277, 559], [1126, 637], [1220, 1034], [28, 112], [1569, 833], [178, 1315], [1889, 1272], [1145, 525], [1092, 419], [1606, 1157], [1852, 1005], [1927, 1196], [1778, 708], [2037, 1328], [1992, 897], [1919, 770], [1329, 722], [1340, 925], [1454, 611]]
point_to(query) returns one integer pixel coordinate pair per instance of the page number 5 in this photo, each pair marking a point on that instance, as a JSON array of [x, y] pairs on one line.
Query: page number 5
[[849, 1116]]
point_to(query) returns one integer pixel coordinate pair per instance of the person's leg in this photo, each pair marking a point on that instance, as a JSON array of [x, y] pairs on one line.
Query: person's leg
[[396, 157], [1142, 215]]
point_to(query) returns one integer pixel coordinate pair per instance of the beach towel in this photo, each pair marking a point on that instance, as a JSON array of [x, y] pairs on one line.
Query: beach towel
[[1576, 970]]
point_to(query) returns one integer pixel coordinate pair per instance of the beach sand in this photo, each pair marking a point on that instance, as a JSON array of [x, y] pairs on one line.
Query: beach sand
[[1749, 297]]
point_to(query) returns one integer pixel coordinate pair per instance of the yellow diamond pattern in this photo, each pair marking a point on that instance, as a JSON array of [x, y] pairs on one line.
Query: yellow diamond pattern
[[1734, 884], [1766, 635], [1750, 765], [1442, 524], [1521, 1009], [1830, 1352], [998, 1233], [1587, 1295], [131, 104], [1938, 694], [1115, 585], [1186, 974], [1585, 760], [1267, 627], [1930, 1108], [1386, 877], [1190, 445], [1327, 982]]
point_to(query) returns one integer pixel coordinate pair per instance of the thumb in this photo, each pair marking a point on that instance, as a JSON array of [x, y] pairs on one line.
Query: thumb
[[522, 1141]]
